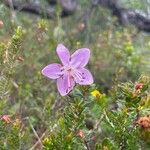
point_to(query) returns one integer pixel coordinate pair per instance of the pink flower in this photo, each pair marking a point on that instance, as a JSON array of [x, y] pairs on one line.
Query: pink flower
[[138, 86], [81, 134], [6, 118], [71, 71]]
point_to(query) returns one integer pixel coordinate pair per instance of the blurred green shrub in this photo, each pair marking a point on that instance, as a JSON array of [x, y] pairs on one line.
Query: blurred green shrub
[[27, 43]]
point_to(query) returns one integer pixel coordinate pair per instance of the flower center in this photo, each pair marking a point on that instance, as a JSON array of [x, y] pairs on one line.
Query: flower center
[[72, 73], [67, 69]]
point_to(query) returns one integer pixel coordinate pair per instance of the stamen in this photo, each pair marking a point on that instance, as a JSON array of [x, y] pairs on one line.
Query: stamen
[[69, 82], [78, 75]]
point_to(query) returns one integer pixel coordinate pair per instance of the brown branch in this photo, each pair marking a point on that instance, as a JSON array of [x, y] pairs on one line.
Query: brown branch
[[86, 145], [68, 7], [31, 8]]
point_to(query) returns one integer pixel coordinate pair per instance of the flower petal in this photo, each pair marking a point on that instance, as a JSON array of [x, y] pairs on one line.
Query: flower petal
[[52, 71], [86, 79], [65, 84], [63, 54], [80, 57]]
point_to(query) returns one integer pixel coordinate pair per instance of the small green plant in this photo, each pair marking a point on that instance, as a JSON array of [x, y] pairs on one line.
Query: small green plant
[[117, 125]]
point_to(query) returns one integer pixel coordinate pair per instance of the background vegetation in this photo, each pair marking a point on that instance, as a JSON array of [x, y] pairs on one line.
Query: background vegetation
[[35, 116]]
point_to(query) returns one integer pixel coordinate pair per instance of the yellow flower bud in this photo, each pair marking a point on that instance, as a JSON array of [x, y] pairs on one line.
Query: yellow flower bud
[[96, 93], [46, 141], [69, 137]]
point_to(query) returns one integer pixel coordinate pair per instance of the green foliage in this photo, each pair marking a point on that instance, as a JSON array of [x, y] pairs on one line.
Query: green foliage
[[83, 119], [8, 53], [11, 135], [115, 128]]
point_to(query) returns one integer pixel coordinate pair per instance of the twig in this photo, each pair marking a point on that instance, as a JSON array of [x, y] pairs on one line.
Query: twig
[[108, 120], [86, 144], [35, 133], [34, 146]]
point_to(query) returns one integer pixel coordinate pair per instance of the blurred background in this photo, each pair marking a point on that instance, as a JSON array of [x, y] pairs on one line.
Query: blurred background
[[116, 31]]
